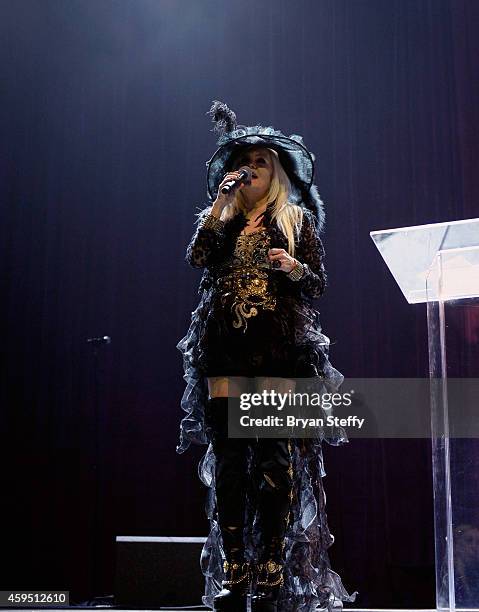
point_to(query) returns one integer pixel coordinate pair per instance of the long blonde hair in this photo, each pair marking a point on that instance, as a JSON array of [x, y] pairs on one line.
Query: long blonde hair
[[288, 216]]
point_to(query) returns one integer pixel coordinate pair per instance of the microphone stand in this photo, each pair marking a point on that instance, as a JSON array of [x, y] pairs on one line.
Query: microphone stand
[[96, 344]]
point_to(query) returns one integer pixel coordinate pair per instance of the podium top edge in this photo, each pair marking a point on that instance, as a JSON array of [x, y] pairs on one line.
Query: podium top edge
[[419, 227]]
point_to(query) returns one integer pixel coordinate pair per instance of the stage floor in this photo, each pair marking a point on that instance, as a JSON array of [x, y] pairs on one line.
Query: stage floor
[[205, 609]]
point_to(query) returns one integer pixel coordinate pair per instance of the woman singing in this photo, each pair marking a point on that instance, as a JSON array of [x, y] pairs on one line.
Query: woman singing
[[255, 328]]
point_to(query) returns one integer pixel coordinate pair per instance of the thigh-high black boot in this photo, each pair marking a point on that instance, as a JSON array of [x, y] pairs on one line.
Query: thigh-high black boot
[[274, 473], [231, 481]]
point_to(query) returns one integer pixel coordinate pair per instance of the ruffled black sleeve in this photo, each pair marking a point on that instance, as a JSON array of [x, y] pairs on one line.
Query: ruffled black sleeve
[[205, 245], [311, 254]]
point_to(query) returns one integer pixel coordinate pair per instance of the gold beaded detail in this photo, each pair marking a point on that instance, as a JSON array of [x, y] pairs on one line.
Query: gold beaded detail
[[290, 474], [244, 279], [250, 291]]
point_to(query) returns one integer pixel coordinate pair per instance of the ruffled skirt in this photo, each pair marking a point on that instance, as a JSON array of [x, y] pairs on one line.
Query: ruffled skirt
[[286, 343]]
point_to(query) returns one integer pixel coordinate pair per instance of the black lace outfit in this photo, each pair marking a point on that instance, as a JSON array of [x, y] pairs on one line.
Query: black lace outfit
[[259, 322], [252, 320]]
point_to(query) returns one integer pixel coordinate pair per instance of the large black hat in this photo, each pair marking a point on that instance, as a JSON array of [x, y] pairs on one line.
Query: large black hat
[[296, 159]]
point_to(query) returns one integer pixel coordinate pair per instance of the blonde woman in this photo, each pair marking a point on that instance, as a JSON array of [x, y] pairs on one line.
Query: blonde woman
[[256, 327]]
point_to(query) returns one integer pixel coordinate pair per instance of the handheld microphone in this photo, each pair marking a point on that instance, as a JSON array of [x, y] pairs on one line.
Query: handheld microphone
[[244, 177], [99, 341]]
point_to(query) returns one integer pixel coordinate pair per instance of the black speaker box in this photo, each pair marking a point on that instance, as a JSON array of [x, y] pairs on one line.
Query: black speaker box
[[158, 571]]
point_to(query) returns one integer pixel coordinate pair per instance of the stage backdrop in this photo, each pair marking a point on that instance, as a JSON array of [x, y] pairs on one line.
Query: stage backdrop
[[103, 143]]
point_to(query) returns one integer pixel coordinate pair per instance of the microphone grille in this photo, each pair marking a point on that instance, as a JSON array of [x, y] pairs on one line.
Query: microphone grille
[[247, 171]]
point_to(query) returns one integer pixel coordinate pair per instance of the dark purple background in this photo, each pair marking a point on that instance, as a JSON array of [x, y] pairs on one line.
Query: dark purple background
[[103, 141]]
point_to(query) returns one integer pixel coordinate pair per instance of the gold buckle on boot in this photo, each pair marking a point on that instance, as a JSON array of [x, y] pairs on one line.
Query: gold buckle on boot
[[270, 567], [232, 569]]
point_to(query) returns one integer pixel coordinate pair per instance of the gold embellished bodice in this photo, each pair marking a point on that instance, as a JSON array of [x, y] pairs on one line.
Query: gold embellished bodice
[[245, 278]]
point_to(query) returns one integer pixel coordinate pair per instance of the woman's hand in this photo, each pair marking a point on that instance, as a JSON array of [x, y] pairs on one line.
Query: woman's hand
[[286, 262], [223, 199]]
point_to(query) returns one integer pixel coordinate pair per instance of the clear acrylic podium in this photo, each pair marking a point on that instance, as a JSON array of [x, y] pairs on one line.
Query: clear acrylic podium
[[438, 264]]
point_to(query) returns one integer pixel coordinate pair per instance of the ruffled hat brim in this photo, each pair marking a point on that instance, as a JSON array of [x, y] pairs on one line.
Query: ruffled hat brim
[[296, 159]]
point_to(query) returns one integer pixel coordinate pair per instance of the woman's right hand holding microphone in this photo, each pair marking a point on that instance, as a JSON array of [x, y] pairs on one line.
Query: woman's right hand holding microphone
[[223, 199]]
